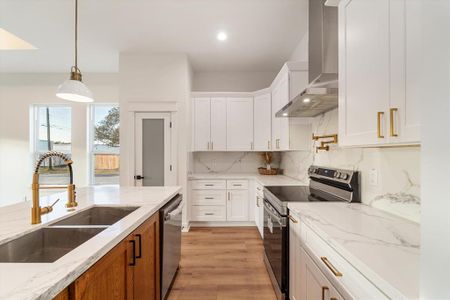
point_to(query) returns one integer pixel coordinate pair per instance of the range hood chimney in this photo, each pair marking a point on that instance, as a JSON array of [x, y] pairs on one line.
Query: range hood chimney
[[321, 95]]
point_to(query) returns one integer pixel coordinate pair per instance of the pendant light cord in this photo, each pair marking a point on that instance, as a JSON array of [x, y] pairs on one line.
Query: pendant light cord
[[76, 34]]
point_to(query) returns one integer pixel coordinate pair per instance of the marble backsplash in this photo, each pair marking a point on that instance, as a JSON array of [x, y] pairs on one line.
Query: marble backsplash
[[398, 170], [230, 162]]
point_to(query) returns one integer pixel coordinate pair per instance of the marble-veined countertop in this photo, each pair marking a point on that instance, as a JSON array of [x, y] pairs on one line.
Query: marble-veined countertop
[[383, 247], [265, 180], [45, 280]]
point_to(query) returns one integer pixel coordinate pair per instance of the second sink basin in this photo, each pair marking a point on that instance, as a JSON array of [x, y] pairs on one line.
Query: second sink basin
[[45, 245], [97, 215]]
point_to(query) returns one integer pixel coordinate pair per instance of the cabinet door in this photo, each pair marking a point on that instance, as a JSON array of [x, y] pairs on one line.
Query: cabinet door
[[259, 214], [147, 268], [202, 124], [237, 205], [275, 121], [294, 258], [239, 124], [364, 53], [406, 45], [109, 278], [218, 124], [284, 122], [313, 284], [262, 122]]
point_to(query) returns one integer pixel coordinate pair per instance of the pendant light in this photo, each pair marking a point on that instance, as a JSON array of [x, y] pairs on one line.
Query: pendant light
[[74, 89]]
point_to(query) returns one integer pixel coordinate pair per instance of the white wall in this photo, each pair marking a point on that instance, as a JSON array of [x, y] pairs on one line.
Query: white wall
[[398, 169], [18, 92], [232, 81], [155, 82], [300, 52], [435, 86]]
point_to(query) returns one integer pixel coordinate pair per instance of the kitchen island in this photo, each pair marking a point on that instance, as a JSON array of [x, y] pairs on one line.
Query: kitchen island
[[47, 280]]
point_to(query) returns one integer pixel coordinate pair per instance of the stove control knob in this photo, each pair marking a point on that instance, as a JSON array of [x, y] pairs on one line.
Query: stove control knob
[[337, 175], [344, 176]]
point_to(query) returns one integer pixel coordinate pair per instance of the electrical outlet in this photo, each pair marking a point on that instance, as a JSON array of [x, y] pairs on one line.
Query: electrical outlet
[[373, 177]]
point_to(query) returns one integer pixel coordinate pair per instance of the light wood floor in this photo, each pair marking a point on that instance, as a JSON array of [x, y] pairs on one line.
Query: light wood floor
[[222, 264]]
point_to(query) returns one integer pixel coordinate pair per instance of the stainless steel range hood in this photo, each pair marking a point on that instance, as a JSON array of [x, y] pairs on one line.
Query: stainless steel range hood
[[322, 93]]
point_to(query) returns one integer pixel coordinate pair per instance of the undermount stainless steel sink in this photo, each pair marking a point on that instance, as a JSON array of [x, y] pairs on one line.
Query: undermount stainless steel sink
[[97, 215], [45, 245]]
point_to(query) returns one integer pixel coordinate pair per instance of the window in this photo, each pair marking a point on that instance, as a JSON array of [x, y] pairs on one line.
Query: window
[[52, 132], [104, 144]]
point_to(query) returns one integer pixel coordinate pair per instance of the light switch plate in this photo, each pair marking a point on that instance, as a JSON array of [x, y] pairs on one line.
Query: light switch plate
[[373, 177]]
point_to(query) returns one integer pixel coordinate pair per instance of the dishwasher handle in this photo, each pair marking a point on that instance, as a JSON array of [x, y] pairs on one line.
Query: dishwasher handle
[[174, 212]]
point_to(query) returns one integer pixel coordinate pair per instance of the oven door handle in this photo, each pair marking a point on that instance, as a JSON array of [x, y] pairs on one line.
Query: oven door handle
[[278, 219]]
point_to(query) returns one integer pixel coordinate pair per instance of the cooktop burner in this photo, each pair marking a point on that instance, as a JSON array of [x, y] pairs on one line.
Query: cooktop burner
[[291, 193]]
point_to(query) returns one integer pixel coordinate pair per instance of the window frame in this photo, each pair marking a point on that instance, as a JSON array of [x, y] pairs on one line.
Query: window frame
[[90, 138], [34, 126]]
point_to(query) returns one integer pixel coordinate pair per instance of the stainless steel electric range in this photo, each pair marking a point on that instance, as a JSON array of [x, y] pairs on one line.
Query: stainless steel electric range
[[326, 184]]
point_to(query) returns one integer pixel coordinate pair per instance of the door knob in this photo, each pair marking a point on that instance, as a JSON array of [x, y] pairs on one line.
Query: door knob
[[138, 177]]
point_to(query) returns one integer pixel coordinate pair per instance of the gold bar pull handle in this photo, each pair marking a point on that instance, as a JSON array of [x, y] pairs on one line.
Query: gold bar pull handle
[[392, 112], [331, 267], [324, 290], [292, 219], [380, 114]]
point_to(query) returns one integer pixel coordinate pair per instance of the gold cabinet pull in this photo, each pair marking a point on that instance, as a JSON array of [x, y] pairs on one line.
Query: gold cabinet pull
[[331, 267], [324, 289], [212, 145], [392, 112], [380, 114], [208, 146], [251, 145], [292, 219]]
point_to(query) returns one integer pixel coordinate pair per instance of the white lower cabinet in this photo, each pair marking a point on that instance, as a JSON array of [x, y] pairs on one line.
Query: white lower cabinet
[[237, 205], [313, 284], [219, 200], [259, 208], [317, 271], [294, 258]]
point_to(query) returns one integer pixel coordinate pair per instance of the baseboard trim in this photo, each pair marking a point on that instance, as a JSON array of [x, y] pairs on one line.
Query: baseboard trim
[[222, 224]]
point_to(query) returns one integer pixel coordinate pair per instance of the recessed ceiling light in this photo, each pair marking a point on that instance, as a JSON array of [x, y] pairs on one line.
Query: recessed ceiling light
[[222, 36], [306, 100], [9, 41]]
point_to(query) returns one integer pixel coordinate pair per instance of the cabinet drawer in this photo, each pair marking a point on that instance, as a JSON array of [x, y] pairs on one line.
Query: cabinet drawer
[[208, 184], [209, 197], [208, 213], [237, 184], [350, 283]]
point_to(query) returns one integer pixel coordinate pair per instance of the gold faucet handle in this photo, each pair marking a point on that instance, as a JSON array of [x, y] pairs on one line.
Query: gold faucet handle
[[47, 209]]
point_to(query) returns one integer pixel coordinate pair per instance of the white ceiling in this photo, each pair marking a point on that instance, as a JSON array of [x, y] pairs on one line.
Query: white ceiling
[[261, 33]]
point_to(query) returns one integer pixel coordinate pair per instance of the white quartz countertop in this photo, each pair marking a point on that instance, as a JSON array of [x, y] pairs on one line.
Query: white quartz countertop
[[265, 180], [45, 280], [383, 247]]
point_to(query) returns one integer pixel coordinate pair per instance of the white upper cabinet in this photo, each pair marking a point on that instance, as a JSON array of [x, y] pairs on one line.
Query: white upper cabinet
[[202, 124], [262, 122], [240, 124], [378, 104], [280, 126], [218, 124]]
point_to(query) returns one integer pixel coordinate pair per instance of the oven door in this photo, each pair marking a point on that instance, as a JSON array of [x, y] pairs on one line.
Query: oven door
[[276, 244]]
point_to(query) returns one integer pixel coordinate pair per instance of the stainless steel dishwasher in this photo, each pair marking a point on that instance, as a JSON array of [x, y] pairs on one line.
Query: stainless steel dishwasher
[[170, 220]]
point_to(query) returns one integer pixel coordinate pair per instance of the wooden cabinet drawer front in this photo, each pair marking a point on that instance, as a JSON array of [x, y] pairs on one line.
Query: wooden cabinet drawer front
[[208, 184], [351, 283], [209, 197], [237, 184], [208, 213]]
